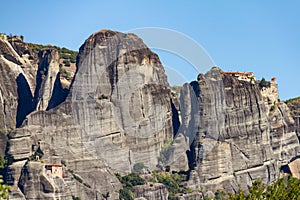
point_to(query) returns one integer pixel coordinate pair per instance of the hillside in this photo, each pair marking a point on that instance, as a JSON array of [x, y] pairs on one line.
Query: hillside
[[294, 105]]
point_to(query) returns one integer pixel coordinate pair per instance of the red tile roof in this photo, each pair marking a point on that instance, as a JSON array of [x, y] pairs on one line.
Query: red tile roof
[[53, 165]]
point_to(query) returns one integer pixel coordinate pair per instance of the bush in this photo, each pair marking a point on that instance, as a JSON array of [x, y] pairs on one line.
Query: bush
[[285, 188], [131, 180], [67, 63], [3, 162], [172, 183], [38, 153], [65, 56], [264, 83], [126, 194], [64, 72], [63, 162], [4, 190], [103, 97], [272, 108], [138, 167], [128, 182], [168, 168], [75, 198]]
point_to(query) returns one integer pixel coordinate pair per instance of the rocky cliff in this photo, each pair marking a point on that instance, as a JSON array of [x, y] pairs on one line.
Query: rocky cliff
[[237, 139], [119, 113]]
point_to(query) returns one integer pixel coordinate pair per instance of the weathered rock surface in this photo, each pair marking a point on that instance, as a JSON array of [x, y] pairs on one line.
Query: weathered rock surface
[[16, 86], [285, 143], [118, 113], [28, 81], [191, 196], [233, 144], [151, 191], [127, 92], [48, 92]]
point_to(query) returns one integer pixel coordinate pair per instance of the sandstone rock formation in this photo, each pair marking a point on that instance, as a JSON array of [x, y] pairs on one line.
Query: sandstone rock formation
[[48, 92], [16, 88], [233, 144], [153, 191], [120, 112]]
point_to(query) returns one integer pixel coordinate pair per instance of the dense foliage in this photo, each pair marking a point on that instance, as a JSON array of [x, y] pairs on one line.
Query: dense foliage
[[4, 189], [294, 105], [172, 183], [285, 188], [264, 83], [128, 182], [138, 167]]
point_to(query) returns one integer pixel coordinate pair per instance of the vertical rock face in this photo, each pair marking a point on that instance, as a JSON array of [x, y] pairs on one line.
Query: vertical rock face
[[15, 88], [117, 114], [48, 91], [120, 112], [233, 143], [155, 191], [25, 88], [127, 92], [284, 141]]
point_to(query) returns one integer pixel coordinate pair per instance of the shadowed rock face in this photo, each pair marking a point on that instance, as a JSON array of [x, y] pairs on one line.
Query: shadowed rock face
[[25, 105], [23, 87], [117, 114], [16, 83], [48, 92]]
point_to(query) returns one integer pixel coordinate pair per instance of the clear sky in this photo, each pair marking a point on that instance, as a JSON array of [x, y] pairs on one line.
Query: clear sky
[[258, 36]]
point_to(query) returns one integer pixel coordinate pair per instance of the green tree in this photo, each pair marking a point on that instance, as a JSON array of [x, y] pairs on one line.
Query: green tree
[[238, 196], [172, 183], [256, 190], [285, 188], [126, 194], [128, 182], [4, 190], [138, 167], [263, 83]]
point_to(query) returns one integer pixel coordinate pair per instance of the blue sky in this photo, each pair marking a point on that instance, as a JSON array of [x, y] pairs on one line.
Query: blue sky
[[258, 36]]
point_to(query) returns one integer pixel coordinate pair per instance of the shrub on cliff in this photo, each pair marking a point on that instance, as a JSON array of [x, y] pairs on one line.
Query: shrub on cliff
[[4, 190], [138, 167], [172, 183], [264, 83], [285, 188], [128, 182]]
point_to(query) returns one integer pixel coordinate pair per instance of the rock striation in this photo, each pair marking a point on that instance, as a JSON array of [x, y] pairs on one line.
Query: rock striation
[[153, 191], [118, 113], [48, 92], [233, 143], [16, 86]]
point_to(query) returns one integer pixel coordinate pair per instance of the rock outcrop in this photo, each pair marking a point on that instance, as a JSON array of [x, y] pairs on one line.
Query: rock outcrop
[[284, 141], [120, 112], [48, 92], [16, 86], [151, 191], [117, 114], [233, 144]]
